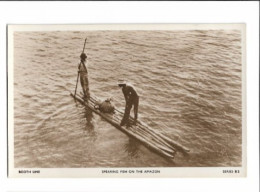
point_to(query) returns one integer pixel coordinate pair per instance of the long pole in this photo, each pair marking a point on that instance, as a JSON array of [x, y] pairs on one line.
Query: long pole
[[79, 67]]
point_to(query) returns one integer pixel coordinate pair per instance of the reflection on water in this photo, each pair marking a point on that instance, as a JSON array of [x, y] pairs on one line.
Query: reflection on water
[[89, 128], [132, 148], [189, 84]]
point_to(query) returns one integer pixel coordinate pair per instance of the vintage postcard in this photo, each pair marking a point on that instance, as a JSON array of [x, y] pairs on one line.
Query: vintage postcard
[[162, 100]]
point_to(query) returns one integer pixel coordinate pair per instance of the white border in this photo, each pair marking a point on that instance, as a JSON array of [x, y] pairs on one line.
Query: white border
[[117, 27], [143, 12]]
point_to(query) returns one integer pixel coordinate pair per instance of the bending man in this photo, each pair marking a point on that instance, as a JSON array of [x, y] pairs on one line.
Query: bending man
[[131, 99], [83, 72]]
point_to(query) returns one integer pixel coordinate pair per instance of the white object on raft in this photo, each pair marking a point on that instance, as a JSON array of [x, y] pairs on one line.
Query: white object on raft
[[105, 106]]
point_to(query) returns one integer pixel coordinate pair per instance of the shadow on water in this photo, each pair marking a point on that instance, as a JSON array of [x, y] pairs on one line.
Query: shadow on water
[[89, 117], [89, 127], [132, 148]]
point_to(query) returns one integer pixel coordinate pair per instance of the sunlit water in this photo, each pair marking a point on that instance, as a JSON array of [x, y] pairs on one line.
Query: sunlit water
[[189, 84]]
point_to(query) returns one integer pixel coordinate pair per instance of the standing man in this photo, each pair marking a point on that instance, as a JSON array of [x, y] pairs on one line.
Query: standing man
[[131, 99], [83, 72]]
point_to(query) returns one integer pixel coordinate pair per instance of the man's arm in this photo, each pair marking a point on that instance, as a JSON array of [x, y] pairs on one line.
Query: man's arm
[[133, 91], [84, 66], [79, 65], [125, 94]]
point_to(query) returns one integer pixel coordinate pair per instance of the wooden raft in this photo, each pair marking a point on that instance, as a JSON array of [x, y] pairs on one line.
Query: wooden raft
[[150, 138]]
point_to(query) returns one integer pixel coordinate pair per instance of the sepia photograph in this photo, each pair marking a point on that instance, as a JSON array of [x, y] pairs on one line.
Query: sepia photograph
[[161, 100]]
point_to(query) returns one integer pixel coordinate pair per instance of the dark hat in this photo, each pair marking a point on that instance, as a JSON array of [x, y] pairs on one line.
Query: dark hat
[[83, 56]]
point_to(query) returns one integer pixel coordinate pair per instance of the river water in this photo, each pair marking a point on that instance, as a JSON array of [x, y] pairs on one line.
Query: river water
[[189, 84]]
